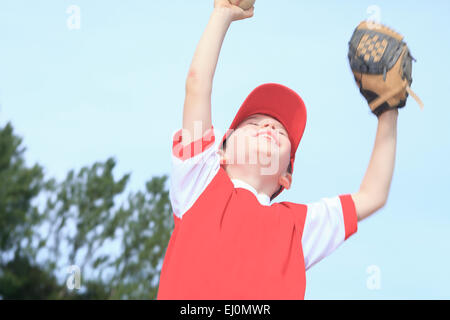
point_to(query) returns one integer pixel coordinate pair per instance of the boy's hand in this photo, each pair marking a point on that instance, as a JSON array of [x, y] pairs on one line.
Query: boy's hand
[[236, 12]]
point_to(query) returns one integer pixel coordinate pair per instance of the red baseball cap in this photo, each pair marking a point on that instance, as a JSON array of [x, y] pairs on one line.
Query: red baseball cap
[[279, 102]]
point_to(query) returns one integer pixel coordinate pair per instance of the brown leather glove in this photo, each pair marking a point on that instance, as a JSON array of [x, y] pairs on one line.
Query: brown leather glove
[[382, 66]]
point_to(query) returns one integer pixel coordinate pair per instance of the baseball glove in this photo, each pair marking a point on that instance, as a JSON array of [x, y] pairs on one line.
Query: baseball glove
[[382, 66]]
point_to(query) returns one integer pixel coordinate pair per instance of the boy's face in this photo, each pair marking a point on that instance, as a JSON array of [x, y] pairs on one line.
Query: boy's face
[[259, 140]]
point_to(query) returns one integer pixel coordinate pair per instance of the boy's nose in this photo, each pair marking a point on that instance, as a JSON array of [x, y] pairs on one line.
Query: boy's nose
[[268, 124]]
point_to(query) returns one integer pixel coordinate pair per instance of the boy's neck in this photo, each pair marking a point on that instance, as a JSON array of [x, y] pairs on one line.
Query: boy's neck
[[263, 198], [262, 184]]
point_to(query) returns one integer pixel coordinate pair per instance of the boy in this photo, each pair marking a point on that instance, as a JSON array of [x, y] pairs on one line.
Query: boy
[[229, 242]]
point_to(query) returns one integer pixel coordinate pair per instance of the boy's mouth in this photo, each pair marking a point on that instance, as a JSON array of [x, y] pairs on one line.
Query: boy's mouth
[[270, 134]]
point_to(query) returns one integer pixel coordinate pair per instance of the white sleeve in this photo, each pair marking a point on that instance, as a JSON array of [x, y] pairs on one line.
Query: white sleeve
[[328, 223], [193, 168]]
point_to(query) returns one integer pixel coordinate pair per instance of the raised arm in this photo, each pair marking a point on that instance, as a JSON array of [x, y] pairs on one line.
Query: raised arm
[[197, 104], [374, 189]]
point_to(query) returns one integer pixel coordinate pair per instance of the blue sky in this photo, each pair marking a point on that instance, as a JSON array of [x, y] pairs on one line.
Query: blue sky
[[115, 87]]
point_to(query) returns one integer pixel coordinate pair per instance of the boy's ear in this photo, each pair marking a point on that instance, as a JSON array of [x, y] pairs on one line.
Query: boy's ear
[[285, 180], [223, 158]]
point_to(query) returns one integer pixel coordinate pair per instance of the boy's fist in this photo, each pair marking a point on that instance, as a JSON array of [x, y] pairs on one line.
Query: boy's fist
[[244, 4], [238, 13]]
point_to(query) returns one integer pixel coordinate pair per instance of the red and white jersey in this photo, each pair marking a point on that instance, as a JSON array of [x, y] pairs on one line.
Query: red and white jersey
[[229, 242]]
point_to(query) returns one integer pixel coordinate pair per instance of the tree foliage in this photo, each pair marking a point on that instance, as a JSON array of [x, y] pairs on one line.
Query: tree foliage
[[117, 238], [19, 185]]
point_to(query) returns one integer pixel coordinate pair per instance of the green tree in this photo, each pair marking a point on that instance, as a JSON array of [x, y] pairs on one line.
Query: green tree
[[118, 247], [19, 186], [141, 225], [144, 239], [20, 279]]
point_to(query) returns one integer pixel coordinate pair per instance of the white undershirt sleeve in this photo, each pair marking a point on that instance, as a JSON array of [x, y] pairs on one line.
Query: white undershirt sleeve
[[193, 168], [328, 223]]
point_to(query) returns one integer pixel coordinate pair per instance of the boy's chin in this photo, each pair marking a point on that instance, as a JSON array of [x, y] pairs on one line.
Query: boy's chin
[[261, 170], [267, 153], [266, 162]]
